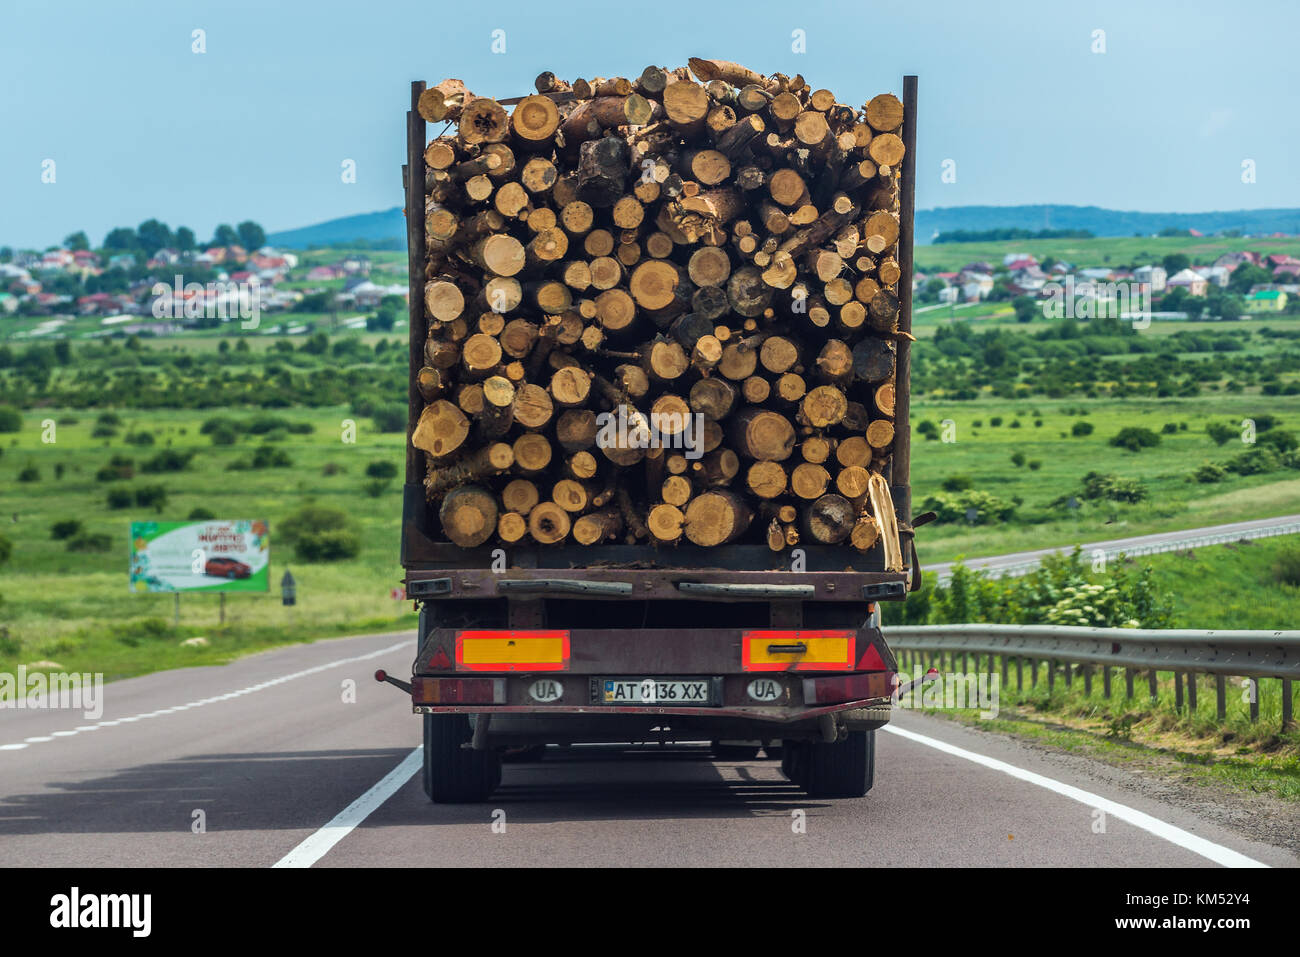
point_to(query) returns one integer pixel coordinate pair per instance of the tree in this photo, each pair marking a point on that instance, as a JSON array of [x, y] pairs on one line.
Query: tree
[[122, 239], [1230, 308], [1175, 262], [77, 241], [1247, 275], [1025, 308], [251, 235], [185, 240], [225, 236], [154, 235]]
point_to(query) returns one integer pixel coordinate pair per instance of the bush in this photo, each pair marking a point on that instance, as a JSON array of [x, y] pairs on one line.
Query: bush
[[269, 457], [151, 496], [1286, 567], [6, 549], [92, 542], [1209, 473], [331, 468], [1221, 433], [1081, 428], [29, 474], [103, 432], [11, 420], [223, 435], [200, 514], [1255, 461], [140, 439], [389, 418], [374, 487], [1035, 465], [1097, 485], [168, 460], [1135, 438], [995, 421], [119, 498], [928, 429], [954, 507], [328, 546], [381, 469], [1278, 440], [118, 467], [1017, 459], [65, 529], [108, 418], [957, 483], [1169, 428]]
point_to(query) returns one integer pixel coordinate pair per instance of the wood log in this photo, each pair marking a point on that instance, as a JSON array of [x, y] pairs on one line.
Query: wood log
[[441, 430], [717, 517], [599, 526], [829, 520], [761, 434], [486, 462], [882, 508], [468, 515], [548, 523]]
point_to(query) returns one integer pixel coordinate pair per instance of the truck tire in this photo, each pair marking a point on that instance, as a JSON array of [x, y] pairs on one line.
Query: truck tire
[[452, 774], [845, 769]]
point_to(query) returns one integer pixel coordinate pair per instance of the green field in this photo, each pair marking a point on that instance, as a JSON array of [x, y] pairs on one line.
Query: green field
[[1113, 251]]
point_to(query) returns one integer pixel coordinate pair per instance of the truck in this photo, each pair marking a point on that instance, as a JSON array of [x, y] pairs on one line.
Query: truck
[[735, 645]]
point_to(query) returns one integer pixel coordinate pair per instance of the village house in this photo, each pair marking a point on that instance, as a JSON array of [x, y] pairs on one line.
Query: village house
[[1190, 280], [1266, 300]]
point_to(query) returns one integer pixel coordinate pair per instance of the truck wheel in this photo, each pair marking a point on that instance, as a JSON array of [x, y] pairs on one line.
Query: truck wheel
[[735, 752], [452, 774], [845, 769]]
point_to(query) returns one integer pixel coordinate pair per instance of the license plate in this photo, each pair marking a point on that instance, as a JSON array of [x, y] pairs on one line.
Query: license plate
[[655, 691]]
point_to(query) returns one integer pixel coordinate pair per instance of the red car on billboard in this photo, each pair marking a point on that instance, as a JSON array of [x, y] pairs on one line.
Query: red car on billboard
[[226, 568]]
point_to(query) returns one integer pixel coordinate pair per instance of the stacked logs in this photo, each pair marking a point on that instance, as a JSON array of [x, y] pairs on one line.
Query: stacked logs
[[711, 253]]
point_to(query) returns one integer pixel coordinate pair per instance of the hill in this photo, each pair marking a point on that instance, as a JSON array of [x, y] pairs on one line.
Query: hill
[[387, 228], [384, 229]]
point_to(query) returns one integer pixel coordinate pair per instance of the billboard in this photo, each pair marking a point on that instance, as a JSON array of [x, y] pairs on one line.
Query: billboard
[[215, 555]]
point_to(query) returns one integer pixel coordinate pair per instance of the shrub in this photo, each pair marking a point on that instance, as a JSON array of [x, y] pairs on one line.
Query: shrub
[[957, 483], [29, 474], [1135, 438], [217, 423], [1035, 465], [1286, 567], [140, 439], [1254, 461], [1097, 485], [91, 542], [119, 498], [953, 507], [200, 514], [118, 467], [328, 545], [108, 418], [389, 418], [381, 469], [269, 457], [168, 460], [1081, 428], [995, 421], [928, 429], [103, 432], [1169, 428], [374, 487], [331, 468], [6, 549], [65, 528], [151, 496], [1017, 459], [223, 435], [11, 420], [1278, 440], [1209, 473], [1221, 432]]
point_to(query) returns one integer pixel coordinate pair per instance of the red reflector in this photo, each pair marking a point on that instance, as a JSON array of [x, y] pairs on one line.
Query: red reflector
[[847, 688], [456, 691], [440, 661], [871, 660]]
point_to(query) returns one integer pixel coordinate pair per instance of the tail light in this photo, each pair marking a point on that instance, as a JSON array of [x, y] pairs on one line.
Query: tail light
[[458, 690], [847, 688]]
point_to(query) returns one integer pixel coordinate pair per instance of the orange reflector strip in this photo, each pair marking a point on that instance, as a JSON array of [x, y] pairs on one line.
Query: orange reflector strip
[[512, 651], [797, 650]]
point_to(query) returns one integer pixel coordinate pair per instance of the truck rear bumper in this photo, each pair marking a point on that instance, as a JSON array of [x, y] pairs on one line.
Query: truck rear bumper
[[775, 716]]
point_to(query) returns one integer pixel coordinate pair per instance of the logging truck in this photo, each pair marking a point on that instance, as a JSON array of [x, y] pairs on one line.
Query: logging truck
[[720, 247]]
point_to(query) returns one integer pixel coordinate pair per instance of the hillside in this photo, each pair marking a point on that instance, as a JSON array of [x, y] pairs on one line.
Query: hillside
[[388, 227]]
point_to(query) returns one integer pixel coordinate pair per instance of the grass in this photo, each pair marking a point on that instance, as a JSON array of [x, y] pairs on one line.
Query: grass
[[984, 453], [1113, 251], [75, 608], [1250, 757]]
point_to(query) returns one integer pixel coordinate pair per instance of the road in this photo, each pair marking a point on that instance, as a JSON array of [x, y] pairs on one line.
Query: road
[[266, 760], [1187, 537]]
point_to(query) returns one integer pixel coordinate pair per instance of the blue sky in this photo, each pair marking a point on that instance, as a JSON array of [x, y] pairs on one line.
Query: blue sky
[[258, 126]]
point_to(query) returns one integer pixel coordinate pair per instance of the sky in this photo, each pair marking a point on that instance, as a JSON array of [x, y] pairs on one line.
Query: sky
[[1019, 96]]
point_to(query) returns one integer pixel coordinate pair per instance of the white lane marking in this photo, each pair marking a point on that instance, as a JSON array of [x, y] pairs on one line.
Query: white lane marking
[[1162, 829], [319, 844], [198, 704]]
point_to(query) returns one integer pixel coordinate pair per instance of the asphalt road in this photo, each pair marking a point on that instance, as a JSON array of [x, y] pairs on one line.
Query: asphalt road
[[1248, 529], [275, 760]]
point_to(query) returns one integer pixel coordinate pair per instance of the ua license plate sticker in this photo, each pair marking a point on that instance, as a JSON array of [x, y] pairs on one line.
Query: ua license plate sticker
[[656, 691]]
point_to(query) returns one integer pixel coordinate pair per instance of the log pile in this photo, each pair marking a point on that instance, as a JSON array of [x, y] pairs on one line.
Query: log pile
[[662, 310]]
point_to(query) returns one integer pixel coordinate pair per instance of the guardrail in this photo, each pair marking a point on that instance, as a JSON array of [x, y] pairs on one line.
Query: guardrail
[[1134, 551], [1252, 655]]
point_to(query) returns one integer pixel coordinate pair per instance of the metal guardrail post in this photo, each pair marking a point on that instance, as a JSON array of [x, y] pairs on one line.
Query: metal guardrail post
[[1220, 697]]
